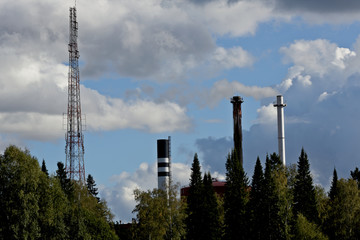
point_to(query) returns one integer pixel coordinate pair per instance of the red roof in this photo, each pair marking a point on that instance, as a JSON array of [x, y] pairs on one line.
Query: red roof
[[219, 188]]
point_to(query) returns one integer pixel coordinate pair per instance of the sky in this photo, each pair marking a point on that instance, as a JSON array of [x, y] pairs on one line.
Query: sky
[[150, 69]]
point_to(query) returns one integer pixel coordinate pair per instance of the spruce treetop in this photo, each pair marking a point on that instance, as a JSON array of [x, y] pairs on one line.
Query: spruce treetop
[[333, 189], [304, 191]]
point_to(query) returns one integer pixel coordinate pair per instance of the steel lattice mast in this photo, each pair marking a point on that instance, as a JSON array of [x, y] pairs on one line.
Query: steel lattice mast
[[74, 149]]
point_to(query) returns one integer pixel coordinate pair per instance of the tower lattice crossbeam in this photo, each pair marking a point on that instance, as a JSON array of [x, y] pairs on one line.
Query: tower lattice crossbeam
[[74, 149]]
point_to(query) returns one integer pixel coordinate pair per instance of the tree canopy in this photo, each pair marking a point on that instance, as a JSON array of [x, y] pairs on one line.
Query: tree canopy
[[34, 205]]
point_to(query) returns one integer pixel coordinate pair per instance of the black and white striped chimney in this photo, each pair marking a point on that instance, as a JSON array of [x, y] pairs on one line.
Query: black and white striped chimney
[[163, 152]]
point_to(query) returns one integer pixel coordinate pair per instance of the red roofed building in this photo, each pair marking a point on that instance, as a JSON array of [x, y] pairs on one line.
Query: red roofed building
[[219, 188]]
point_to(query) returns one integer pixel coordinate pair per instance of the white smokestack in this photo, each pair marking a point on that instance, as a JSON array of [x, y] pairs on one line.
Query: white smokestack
[[281, 132]]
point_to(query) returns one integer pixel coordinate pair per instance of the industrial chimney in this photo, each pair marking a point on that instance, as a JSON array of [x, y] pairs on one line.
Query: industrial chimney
[[281, 133], [164, 157], [236, 101]]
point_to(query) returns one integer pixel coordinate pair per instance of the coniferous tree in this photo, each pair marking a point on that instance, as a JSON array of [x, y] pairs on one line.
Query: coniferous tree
[[236, 198], [356, 176], [256, 203], [65, 182], [333, 189], [211, 222], [43, 168], [91, 186], [304, 191], [194, 202], [274, 219]]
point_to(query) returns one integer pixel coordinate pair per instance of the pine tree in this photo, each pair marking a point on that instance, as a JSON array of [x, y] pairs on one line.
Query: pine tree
[[194, 202], [43, 168], [333, 189], [236, 198], [304, 191], [211, 222], [256, 203], [91, 186]]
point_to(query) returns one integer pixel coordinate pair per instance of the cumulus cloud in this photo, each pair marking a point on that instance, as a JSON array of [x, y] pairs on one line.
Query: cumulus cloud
[[105, 113], [320, 90], [233, 57], [223, 89], [224, 18], [213, 152], [325, 95], [33, 50], [151, 44], [317, 57], [32, 103], [120, 197], [266, 115], [33, 83]]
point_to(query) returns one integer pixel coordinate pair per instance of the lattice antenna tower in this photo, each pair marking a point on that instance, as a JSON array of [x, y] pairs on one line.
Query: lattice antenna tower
[[74, 149]]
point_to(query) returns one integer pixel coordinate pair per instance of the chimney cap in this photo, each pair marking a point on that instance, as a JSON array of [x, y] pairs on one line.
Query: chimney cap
[[236, 99]]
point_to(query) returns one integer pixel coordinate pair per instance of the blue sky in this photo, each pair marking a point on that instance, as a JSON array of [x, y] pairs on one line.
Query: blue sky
[[157, 68]]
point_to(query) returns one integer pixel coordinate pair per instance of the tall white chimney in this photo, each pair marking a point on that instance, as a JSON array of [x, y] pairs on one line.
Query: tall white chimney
[[281, 132]]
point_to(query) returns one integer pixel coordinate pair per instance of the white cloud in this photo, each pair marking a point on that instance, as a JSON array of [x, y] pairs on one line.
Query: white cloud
[[266, 115], [105, 113], [233, 57], [305, 80], [285, 85], [317, 57], [225, 89], [238, 19], [341, 55], [325, 95]]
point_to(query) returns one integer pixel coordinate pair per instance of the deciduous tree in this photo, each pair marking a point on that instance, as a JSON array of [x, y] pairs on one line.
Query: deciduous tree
[[157, 216]]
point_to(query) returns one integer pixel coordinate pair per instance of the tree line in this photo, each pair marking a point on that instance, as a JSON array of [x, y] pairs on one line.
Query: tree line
[[36, 205], [277, 203]]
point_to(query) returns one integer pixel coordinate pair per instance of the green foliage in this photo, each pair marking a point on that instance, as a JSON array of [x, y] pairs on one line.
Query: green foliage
[[307, 230], [236, 198], [256, 209], [276, 202], [157, 216], [19, 201], [356, 176], [203, 215], [34, 205], [91, 186], [210, 227], [43, 168], [343, 221], [194, 219], [304, 191], [333, 189]]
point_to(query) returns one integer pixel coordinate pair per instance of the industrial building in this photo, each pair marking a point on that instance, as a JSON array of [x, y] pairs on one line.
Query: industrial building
[[219, 188]]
